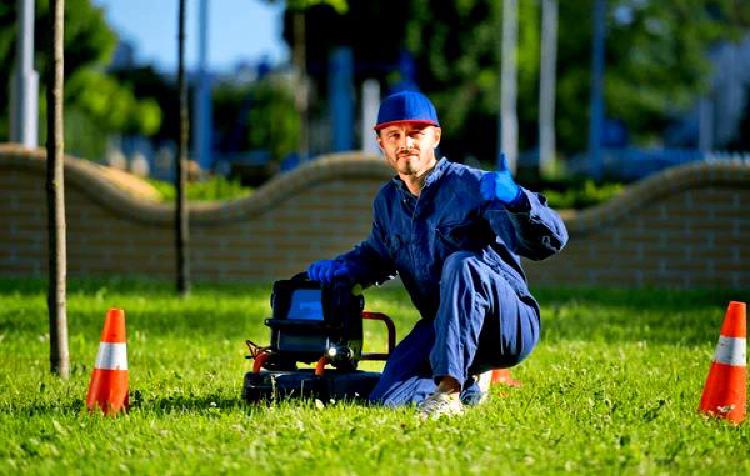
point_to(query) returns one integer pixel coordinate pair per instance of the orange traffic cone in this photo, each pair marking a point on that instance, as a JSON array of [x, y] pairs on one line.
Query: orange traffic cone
[[502, 376], [724, 393], [108, 388]]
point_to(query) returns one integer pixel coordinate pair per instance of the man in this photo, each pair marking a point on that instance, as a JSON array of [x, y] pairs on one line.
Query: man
[[454, 235]]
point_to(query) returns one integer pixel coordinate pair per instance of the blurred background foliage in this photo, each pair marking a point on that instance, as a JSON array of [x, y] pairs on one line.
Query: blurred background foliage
[[656, 60], [256, 115], [657, 66], [579, 194], [274, 119], [208, 190], [96, 103]]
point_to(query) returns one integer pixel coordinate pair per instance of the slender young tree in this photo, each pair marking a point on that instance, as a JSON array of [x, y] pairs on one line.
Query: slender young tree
[[547, 73], [596, 118], [302, 94], [182, 242], [508, 120], [58, 325], [297, 8]]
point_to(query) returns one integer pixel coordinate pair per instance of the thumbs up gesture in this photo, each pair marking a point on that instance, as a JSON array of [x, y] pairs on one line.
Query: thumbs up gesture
[[499, 185]]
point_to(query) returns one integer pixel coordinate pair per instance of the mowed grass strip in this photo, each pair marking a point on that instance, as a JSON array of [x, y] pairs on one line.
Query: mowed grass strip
[[612, 388]]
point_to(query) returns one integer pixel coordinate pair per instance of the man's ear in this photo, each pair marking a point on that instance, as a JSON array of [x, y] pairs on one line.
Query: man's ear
[[437, 132]]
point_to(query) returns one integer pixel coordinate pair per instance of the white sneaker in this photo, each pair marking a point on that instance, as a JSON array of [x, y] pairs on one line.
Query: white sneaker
[[441, 404]]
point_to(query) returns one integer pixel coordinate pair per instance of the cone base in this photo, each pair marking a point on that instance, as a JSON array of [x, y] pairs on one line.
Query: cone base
[[108, 390], [503, 377], [724, 395]]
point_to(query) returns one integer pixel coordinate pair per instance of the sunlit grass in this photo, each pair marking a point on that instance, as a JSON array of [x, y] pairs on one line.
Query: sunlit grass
[[612, 388]]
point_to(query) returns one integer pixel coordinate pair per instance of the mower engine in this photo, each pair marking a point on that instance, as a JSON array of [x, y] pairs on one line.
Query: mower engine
[[317, 323]]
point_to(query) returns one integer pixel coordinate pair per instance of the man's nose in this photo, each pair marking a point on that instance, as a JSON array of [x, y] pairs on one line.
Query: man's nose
[[408, 142]]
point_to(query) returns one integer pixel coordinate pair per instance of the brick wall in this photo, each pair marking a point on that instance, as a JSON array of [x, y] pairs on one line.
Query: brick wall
[[686, 227]]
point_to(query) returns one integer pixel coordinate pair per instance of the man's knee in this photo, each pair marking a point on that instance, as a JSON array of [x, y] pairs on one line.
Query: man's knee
[[495, 355], [459, 263]]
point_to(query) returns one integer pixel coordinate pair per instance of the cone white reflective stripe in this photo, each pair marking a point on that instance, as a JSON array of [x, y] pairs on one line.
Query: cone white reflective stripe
[[112, 356], [731, 351]]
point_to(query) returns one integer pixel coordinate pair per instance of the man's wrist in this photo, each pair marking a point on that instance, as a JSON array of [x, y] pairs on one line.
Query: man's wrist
[[520, 202]]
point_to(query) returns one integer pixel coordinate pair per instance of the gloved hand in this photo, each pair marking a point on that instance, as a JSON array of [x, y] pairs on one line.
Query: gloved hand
[[499, 185], [327, 269]]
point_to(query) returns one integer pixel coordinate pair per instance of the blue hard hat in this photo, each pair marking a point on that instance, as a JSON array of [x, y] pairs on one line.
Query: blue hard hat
[[406, 106]]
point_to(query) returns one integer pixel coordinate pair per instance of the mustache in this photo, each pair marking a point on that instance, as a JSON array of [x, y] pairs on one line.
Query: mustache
[[408, 152]]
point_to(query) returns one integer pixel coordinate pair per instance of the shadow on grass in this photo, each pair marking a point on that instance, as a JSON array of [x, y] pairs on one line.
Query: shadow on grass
[[131, 286], [158, 404], [639, 298], [206, 405], [192, 403], [690, 317], [642, 298], [159, 317], [30, 409]]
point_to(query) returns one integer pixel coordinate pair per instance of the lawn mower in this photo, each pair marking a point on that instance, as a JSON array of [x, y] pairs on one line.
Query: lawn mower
[[314, 323]]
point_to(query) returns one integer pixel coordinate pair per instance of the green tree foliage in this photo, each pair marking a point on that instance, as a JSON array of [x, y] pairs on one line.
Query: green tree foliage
[[147, 83], [212, 189], [96, 104], [274, 122], [260, 115], [656, 60], [340, 6]]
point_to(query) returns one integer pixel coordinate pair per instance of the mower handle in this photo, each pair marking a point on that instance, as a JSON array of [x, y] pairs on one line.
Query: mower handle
[[379, 316]]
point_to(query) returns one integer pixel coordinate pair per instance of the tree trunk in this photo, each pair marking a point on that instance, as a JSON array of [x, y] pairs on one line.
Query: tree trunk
[[302, 93], [508, 123], [58, 326], [182, 243], [547, 87], [596, 119]]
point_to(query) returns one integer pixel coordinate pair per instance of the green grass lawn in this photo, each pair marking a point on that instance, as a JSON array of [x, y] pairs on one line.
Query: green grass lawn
[[612, 388]]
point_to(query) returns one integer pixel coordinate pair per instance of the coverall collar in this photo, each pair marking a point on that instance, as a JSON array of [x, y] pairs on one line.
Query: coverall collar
[[437, 171]]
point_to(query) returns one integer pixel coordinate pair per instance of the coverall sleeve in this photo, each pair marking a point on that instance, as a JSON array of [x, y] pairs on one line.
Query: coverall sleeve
[[529, 228], [370, 261]]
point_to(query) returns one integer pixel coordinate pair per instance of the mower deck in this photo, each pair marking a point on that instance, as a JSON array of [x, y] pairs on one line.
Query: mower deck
[[267, 385]]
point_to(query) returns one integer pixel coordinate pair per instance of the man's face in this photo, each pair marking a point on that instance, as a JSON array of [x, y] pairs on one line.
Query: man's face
[[409, 148]]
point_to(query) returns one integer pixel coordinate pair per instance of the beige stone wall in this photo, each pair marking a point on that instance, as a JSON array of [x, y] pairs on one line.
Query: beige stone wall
[[686, 227], [683, 228]]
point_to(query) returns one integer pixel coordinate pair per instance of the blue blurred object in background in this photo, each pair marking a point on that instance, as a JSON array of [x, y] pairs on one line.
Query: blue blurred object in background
[[341, 99], [408, 72]]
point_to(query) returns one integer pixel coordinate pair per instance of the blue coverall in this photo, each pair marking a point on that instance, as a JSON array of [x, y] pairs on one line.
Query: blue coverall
[[458, 258]]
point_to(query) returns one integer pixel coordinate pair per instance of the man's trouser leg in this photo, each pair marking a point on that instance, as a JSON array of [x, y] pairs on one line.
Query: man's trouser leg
[[407, 377], [480, 324]]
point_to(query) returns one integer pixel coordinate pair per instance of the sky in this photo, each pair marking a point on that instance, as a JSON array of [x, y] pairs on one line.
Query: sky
[[238, 30]]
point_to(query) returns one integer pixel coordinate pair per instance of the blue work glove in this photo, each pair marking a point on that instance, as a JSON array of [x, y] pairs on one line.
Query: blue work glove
[[499, 185], [327, 269]]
